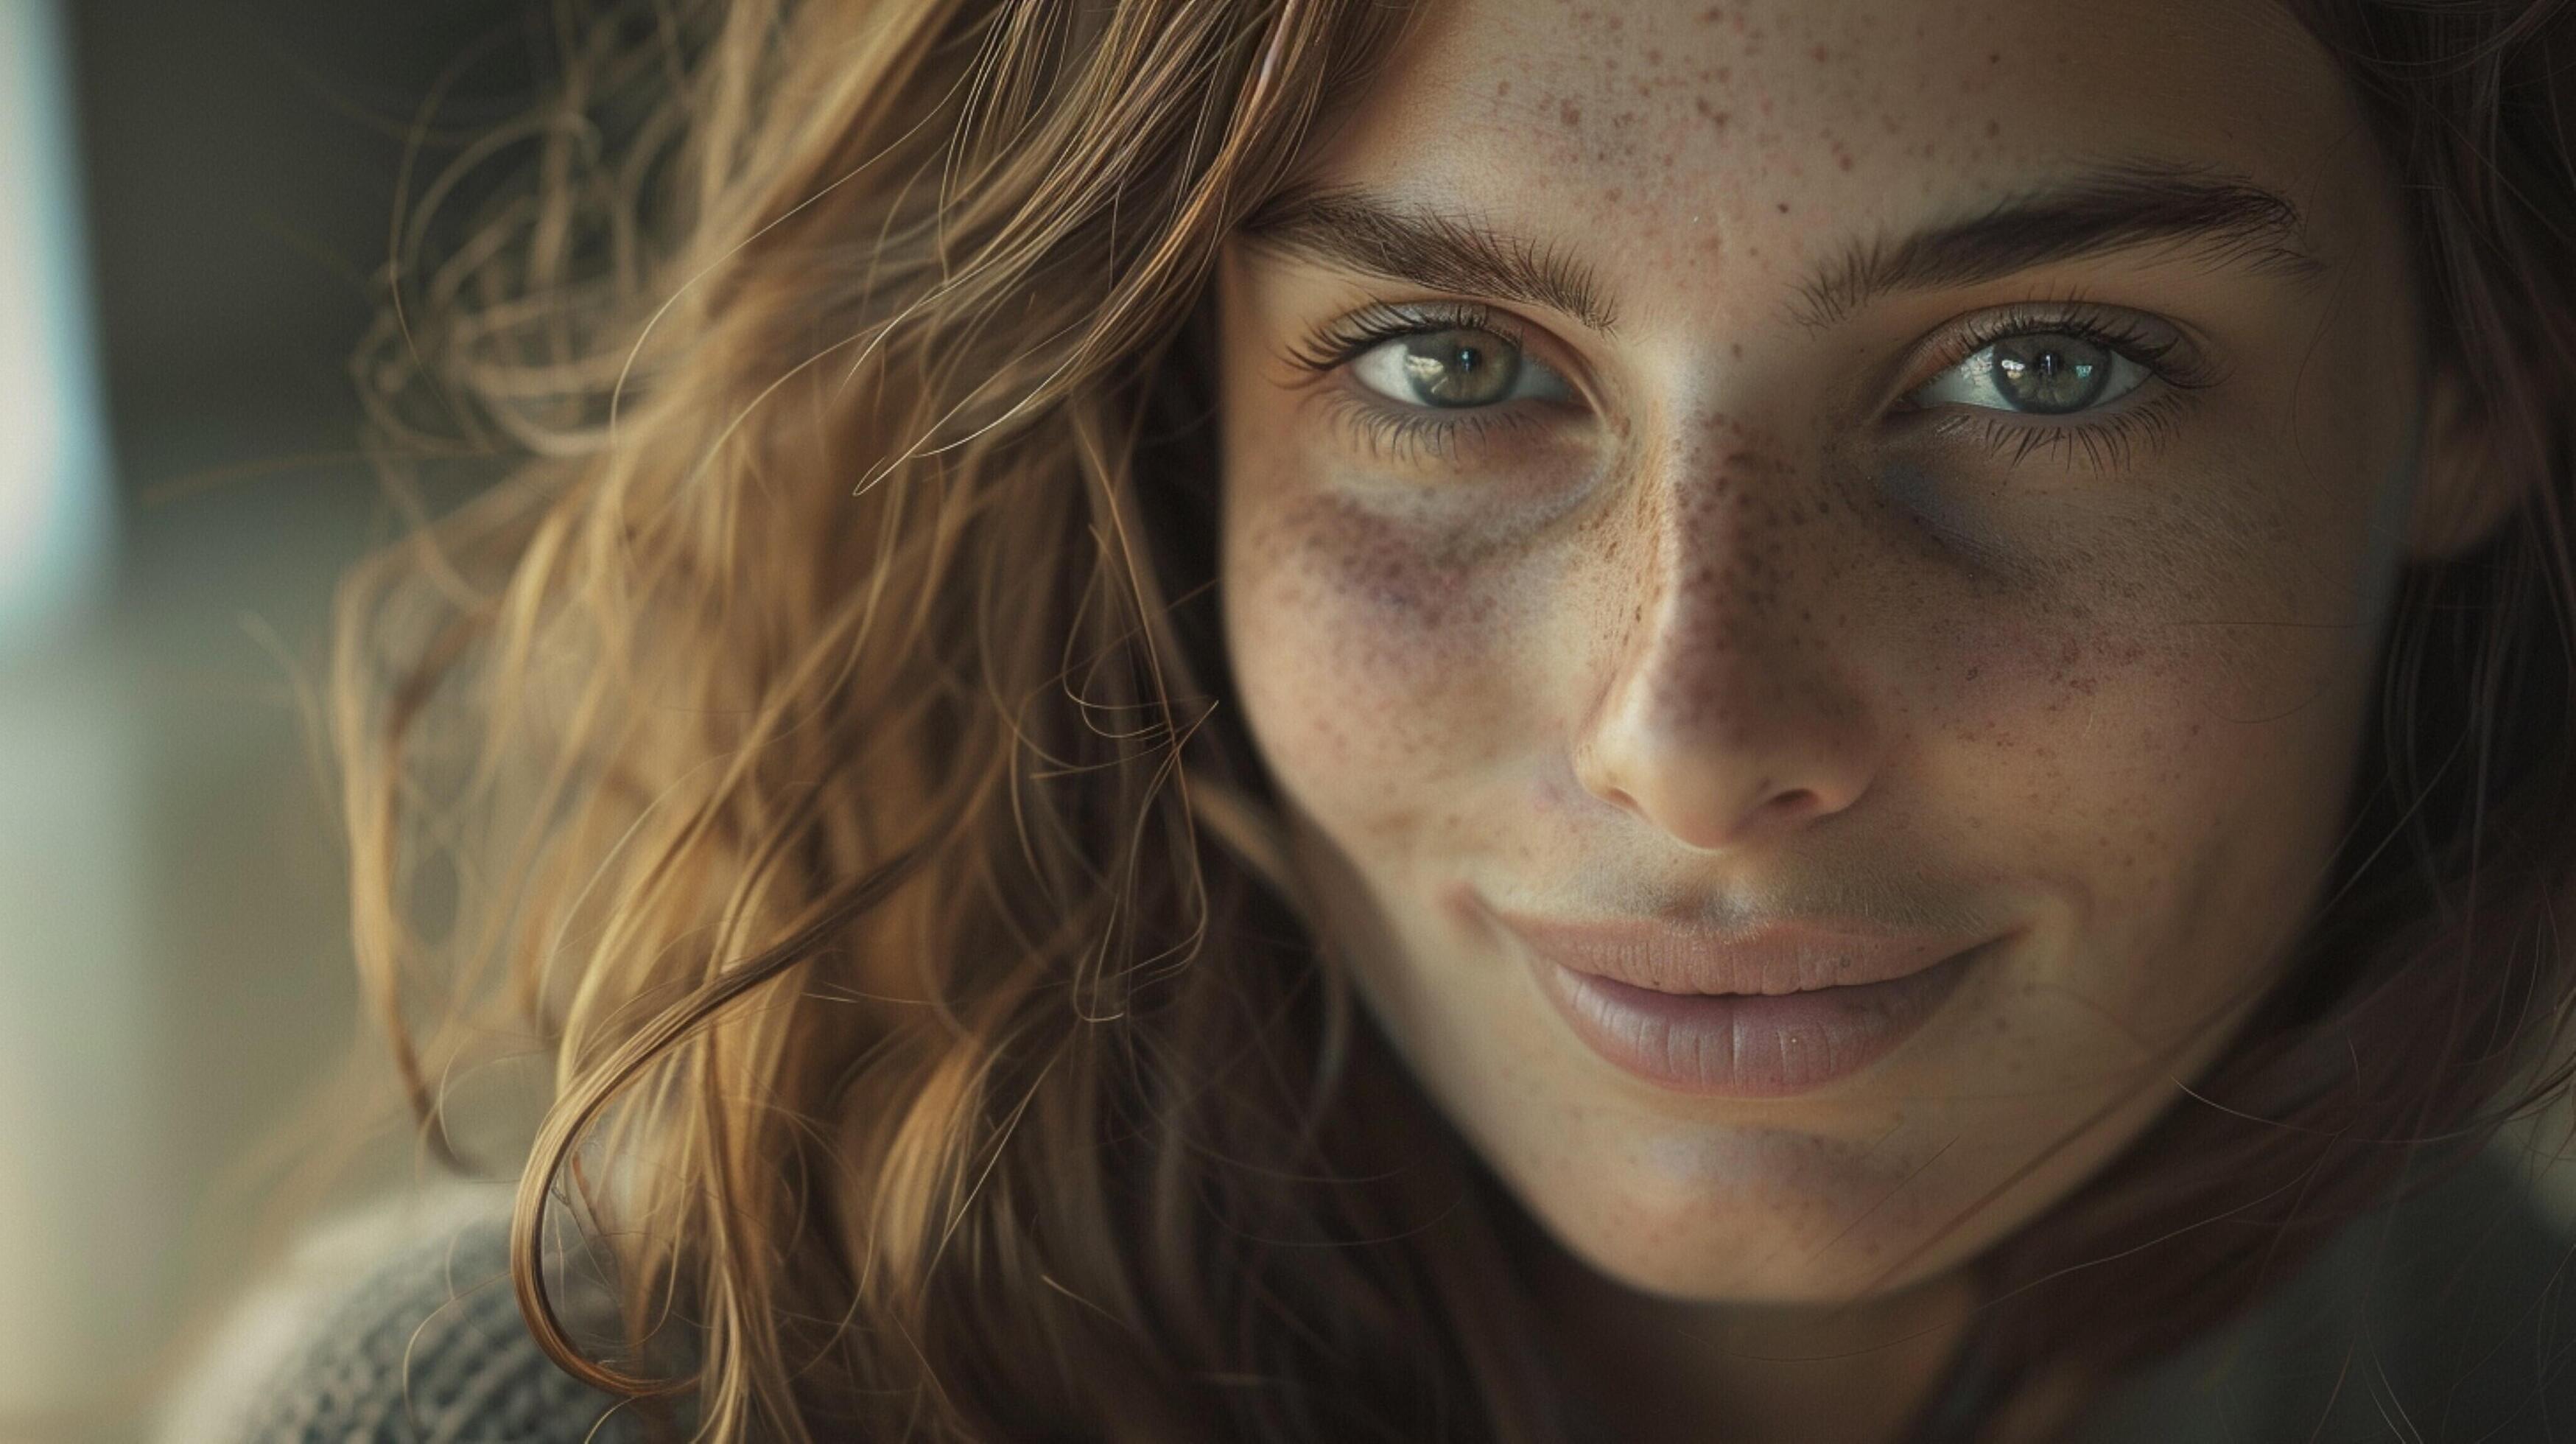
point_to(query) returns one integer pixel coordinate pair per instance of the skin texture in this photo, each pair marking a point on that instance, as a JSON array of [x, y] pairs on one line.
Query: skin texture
[[1730, 628]]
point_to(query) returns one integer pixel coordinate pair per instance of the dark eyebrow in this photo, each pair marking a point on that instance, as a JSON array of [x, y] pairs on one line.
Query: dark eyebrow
[[1349, 226], [2225, 219]]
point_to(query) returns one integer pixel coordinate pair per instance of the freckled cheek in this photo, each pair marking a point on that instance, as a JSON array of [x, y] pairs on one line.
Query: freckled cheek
[[2129, 664], [2038, 690], [2123, 764], [1367, 671]]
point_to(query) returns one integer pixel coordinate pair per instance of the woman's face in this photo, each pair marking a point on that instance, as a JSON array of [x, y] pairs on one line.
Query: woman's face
[[1881, 506]]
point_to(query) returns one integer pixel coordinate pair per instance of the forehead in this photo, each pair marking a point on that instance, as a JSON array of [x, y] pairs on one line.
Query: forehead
[[1705, 139]]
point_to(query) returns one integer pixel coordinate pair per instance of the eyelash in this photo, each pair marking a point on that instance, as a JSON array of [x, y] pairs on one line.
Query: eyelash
[[2106, 442], [2107, 439], [1395, 433]]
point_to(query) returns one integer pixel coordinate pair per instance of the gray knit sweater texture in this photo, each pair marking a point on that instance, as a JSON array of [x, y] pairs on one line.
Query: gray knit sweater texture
[[422, 1343]]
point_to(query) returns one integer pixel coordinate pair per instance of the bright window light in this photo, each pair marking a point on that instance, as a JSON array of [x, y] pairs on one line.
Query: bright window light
[[53, 464]]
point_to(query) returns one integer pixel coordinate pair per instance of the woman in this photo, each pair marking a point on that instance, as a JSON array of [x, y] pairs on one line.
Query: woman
[[1303, 721]]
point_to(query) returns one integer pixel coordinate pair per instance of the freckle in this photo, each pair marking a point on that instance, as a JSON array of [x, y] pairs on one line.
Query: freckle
[[1654, 57], [1503, 88], [1616, 21], [1569, 113], [1612, 195], [1735, 348], [1846, 162], [1711, 15], [1784, 208], [1994, 128], [1725, 73], [1993, 57], [1819, 53]]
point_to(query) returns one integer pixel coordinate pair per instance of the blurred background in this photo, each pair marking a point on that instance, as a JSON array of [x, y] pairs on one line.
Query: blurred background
[[195, 207], [195, 201]]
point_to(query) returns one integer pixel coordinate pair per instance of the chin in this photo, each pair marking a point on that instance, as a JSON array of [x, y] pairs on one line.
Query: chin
[[1757, 1218], [1738, 1266]]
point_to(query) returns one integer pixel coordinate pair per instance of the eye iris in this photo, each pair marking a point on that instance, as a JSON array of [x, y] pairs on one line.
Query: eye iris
[[1460, 367], [2051, 374]]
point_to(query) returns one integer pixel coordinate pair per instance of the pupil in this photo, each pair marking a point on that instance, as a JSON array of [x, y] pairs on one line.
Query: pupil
[[1460, 367], [2051, 374]]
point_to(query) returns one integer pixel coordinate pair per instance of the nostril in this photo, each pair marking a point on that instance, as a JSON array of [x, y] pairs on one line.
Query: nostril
[[1794, 803]]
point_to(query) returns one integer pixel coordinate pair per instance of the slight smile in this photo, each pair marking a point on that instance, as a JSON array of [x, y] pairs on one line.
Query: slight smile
[[1774, 1013]]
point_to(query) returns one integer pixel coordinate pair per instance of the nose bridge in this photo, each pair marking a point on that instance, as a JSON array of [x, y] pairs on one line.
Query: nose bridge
[[1709, 618], [1721, 713]]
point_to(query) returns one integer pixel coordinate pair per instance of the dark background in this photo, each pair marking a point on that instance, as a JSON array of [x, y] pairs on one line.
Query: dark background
[[241, 162]]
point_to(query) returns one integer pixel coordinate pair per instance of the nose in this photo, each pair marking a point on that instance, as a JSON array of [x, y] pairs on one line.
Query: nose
[[1724, 720]]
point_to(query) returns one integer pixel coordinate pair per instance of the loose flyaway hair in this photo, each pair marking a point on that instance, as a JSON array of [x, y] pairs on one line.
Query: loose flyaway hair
[[818, 749]]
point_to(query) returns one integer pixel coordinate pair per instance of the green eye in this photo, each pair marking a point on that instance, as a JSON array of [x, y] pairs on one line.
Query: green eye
[[2041, 373], [1451, 368]]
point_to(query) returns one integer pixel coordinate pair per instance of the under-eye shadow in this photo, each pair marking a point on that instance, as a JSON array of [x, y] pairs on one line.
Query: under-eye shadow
[[1934, 506]]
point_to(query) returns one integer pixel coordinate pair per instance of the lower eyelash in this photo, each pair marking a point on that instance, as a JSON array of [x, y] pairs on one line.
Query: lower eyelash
[[1416, 436], [2105, 444]]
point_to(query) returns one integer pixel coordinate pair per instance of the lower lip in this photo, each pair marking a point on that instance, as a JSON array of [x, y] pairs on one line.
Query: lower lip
[[1745, 1045]]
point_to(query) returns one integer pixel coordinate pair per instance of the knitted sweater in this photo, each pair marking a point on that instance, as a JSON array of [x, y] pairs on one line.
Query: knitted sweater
[[2441, 1319], [398, 1326]]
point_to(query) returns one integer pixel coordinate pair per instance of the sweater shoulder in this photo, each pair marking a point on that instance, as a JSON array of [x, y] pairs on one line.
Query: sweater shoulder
[[395, 1326]]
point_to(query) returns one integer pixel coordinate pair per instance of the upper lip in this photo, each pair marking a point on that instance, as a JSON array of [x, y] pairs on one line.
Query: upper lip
[[1775, 958]]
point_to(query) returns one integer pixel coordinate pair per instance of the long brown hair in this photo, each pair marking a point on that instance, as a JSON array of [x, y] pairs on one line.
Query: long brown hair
[[820, 743]]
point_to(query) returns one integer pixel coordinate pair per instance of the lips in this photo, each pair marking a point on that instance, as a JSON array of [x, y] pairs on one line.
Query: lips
[[1766, 1014]]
